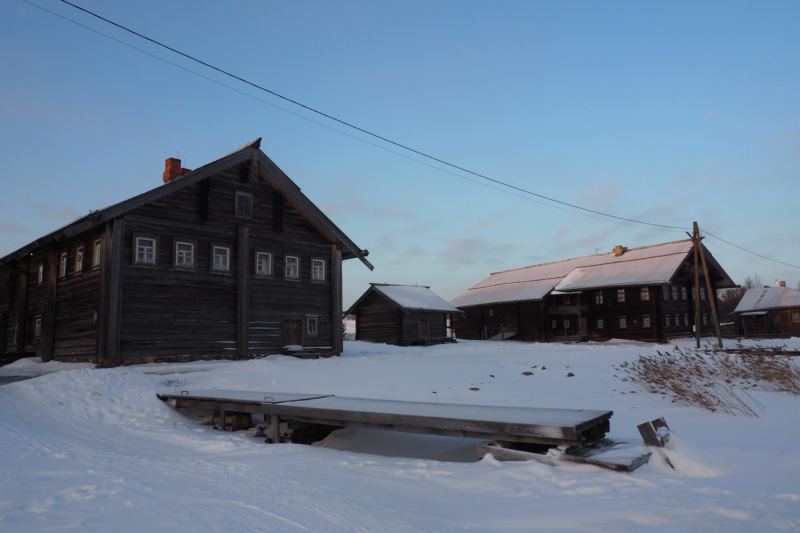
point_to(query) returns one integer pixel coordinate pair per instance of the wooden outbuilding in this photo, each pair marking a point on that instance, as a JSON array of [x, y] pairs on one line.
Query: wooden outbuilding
[[229, 260], [769, 312], [642, 294], [402, 315]]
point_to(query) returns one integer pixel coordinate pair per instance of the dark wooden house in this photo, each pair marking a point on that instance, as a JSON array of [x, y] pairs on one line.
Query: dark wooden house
[[402, 315], [643, 294], [769, 312], [229, 260]]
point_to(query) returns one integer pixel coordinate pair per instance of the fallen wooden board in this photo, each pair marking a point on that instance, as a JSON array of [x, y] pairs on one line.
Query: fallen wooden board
[[620, 455], [570, 427]]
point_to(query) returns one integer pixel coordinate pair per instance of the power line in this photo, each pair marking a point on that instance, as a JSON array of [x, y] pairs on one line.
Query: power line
[[362, 130], [749, 251]]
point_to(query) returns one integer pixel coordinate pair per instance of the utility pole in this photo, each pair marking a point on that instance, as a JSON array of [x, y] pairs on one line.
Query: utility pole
[[712, 294], [695, 242]]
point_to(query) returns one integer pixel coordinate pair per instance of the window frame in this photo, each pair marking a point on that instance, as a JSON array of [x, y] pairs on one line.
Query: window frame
[[286, 265], [623, 322], [37, 327], [271, 256], [236, 196], [674, 293], [795, 317], [601, 324], [313, 319], [427, 327], [566, 323], [665, 292], [324, 270], [180, 240], [78, 263], [683, 294], [705, 319], [554, 324], [686, 320], [644, 294], [598, 297], [135, 249], [97, 253], [40, 274], [63, 261], [647, 322], [702, 294], [667, 321], [213, 246], [621, 292]]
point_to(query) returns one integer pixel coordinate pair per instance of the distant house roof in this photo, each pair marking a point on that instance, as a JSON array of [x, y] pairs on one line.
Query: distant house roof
[[648, 265], [408, 298], [249, 152], [768, 298]]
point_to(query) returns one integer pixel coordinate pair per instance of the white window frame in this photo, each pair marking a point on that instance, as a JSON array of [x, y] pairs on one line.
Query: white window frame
[[644, 294], [667, 321], [314, 271], [427, 328], [62, 268], [674, 292], [286, 263], [227, 255], [138, 245], [179, 254], [683, 293], [685, 320], [601, 324], [249, 197], [312, 326], [646, 323], [79, 259], [623, 322], [705, 318], [598, 297], [40, 273], [665, 292], [37, 327], [98, 253], [566, 323], [555, 324], [620, 296], [702, 293], [258, 263]]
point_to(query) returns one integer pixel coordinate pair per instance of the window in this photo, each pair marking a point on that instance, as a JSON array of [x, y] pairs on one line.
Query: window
[[98, 248], [645, 321], [598, 297], [424, 330], [263, 264], [62, 270], [645, 294], [665, 292], [620, 295], [667, 321], [79, 260], [291, 269], [184, 254], [566, 323], [491, 313], [674, 293], [37, 327], [694, 295], [795, 317], [244, 204], [555, 324], [311, 328], [705, 318], [221, 258], [685, 320], [683, 293], [702, 293], [600, 323], [40, 274], [317, 270], [623, 322], [145, 251]]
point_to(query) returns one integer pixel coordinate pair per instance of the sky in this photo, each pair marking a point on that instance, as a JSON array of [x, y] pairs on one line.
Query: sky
[[667, 113]]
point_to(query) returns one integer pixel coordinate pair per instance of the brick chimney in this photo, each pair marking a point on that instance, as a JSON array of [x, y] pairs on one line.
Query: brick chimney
[[619, 250], [782, 284], [173, 170]]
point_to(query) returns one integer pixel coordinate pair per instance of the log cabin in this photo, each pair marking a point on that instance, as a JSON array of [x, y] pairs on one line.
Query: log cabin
[[769, 312], [642, 294], [402, 315], [230, 260]]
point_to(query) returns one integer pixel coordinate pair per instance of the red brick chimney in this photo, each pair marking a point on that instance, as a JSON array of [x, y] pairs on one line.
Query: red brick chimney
[[173, 170], [783, 284], [619, 250]]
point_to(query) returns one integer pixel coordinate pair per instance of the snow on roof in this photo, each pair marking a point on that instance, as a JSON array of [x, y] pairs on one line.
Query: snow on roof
[[414, 297], [647, 264], [768, 298]]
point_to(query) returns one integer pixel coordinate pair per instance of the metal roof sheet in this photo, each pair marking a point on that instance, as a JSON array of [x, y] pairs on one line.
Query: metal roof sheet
[[655, 270], [768, 298]]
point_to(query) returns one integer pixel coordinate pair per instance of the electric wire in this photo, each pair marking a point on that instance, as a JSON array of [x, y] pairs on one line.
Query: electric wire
[[749, 251]]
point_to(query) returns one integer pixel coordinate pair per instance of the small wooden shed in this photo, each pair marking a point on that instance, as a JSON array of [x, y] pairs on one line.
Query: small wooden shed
[[402, 315]]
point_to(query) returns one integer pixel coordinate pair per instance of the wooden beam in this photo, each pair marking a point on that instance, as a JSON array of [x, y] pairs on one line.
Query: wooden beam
[[336, 300], [22, 302], [711, 293], [114, 315], [243, 294], [695, 243], [49, 318]]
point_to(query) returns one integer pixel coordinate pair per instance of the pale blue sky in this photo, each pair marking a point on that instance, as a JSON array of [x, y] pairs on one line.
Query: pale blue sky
[[666, 112]]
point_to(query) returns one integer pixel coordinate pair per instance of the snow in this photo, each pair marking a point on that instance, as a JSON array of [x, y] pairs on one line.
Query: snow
[[33, 366], [652, 264], [768, 298], [94, 449], [413, 297]]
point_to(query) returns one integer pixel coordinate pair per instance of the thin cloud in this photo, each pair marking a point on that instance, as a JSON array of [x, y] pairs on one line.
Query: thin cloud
[[10, 228], [53, 211]]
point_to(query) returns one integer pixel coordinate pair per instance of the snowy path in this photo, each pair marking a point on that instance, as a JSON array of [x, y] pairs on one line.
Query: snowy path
[[93, 450]]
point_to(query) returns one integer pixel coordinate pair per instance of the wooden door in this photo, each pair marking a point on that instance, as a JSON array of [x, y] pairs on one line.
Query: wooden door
[[293, 332]]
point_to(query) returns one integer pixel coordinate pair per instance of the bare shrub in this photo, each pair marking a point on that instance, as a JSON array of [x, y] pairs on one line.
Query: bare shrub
[[713, 379]]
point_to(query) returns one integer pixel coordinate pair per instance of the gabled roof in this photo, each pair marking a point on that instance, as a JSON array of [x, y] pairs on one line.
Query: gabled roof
[[647, 265], [407, 298], [768, 298], [249, 152]]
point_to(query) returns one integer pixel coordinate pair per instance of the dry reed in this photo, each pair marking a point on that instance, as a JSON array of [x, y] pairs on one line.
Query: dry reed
[[713, 379]]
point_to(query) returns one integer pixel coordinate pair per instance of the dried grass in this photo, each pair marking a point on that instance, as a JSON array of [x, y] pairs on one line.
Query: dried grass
[[716, 380]]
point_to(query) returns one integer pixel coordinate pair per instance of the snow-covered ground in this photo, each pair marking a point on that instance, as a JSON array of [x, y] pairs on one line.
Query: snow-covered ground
[[95, 450]]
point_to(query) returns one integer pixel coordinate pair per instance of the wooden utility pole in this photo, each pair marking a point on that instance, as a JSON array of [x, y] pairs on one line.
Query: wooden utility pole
[[711, 292], [695, 242]]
